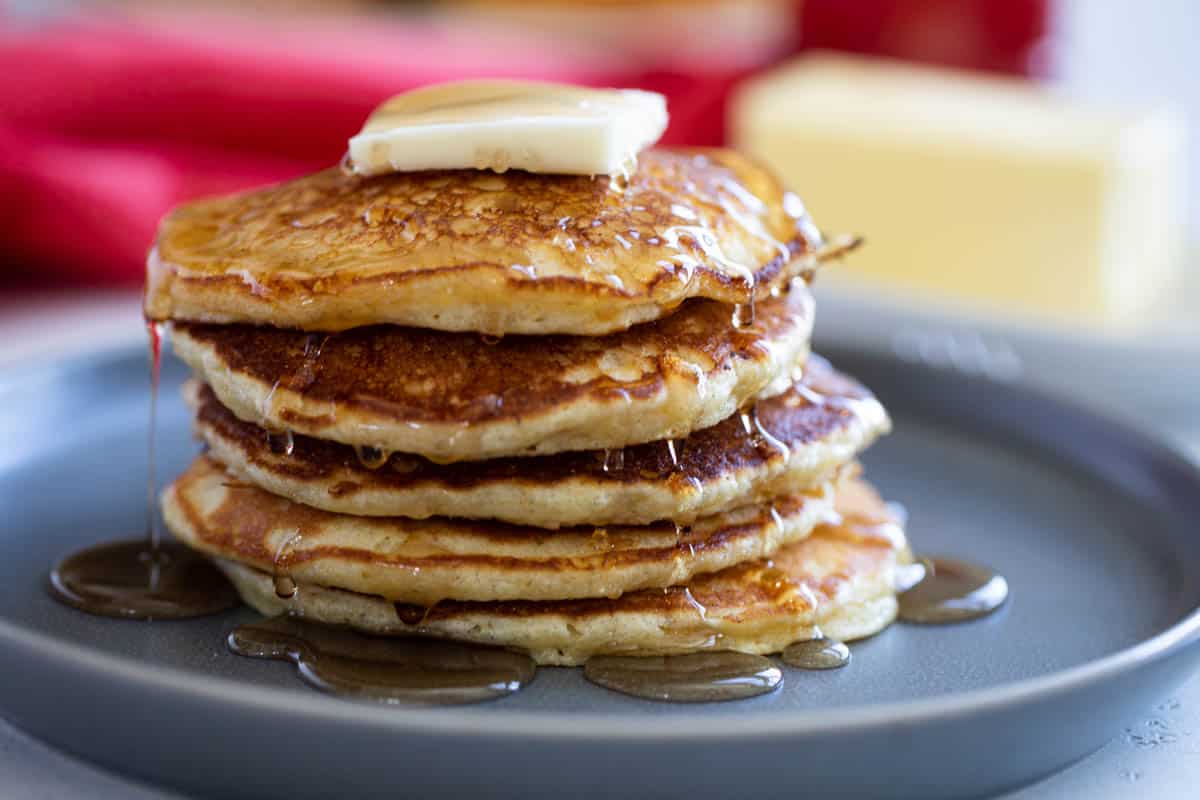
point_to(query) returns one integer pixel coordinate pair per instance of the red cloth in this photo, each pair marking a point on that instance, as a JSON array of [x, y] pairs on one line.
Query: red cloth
[[990, 35], [107, 123]]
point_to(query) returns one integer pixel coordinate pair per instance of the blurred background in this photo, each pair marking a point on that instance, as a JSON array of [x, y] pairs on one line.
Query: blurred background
[[1021, 169]]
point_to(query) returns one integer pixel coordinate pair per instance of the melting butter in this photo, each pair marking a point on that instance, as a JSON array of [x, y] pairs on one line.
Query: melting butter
[[504, 124]]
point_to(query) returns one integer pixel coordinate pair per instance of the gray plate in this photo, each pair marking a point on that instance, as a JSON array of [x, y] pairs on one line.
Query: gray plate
[[1094, 525]]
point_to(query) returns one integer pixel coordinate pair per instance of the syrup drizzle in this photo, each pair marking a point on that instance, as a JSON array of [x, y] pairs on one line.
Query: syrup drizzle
[[412, 614], [395, 670], [145, 578], [953, 591], [692, 678], [743, 315], [126, 579], [281, 444], [764, 441], [371, 457], [673, 452], [614, 460], [816, 653], [285, 585], [423, 671], [153, 534]]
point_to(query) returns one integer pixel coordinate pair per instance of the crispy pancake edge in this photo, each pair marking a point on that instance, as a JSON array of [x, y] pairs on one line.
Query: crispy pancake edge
[[675, 398], [415, 561], [846, 592], [825, 422]]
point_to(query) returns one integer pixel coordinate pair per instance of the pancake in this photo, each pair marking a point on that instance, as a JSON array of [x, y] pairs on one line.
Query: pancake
[[810, 430], [424, 561], [463, 397], [467, 250], [838, 582]]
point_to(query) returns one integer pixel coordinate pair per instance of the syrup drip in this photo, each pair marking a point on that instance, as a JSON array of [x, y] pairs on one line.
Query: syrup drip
[[145, 578], [818, 653], [762, 438], [614, 460], [776, 519], [281, 444], [346, 165], [743, 315], [268, 405], [371, 457], [394, 670], [126, 579], [618, 183], [412, 614], [693, 678], [285, 585], [673, 452], [153, 535], [909, 575], [953, 591], [306, 375], [303, 377], [691, 600]]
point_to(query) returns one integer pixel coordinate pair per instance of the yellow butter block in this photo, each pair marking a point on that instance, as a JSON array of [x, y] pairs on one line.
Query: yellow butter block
[[979, 188]]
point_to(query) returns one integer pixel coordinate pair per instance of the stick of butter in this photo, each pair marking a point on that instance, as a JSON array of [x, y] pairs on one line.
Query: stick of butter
[[506, 124], [977, 188]]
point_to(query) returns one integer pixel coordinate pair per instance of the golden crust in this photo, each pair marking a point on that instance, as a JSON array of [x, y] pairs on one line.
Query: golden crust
[[477, 251], [838, 582], [457, 396], [425, 561], [816, 426]]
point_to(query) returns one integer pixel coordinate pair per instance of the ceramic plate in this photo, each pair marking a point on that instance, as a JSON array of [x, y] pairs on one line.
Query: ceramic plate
[[1095, 526]]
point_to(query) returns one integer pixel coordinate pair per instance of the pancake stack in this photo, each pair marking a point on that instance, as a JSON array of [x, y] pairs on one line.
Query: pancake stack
[[561, 414]]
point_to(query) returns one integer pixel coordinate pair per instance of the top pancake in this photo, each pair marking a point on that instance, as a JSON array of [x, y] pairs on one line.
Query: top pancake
[[466, 250]]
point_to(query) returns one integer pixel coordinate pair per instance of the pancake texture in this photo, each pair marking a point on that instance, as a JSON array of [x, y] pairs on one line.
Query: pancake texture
[[464, 397], [466, 250], [788, 443], [426, 561], [838, 582]]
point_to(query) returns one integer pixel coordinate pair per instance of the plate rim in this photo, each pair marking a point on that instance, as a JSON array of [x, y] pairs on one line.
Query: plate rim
[[484, 721]]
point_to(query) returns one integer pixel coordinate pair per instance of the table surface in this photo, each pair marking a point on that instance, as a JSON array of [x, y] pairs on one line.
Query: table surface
[[1158, 755]]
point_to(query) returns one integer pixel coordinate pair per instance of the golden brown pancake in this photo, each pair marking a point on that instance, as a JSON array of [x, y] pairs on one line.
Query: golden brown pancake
[[461, 397], [788, 443], [839, 582], [478, 251], [424, 561]]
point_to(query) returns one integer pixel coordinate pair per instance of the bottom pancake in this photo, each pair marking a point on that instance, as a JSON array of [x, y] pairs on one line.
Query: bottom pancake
[[839, 582]]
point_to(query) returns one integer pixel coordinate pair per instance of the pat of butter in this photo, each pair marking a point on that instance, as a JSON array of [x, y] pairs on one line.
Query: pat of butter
[[503, 124], [975, 188]]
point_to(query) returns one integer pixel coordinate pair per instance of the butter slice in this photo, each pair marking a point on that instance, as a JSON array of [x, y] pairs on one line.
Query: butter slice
[[988, 190], [505, 124]]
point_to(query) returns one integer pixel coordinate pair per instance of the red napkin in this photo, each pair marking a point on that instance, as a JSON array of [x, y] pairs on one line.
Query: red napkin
[[1003, 36], [106, 123]]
